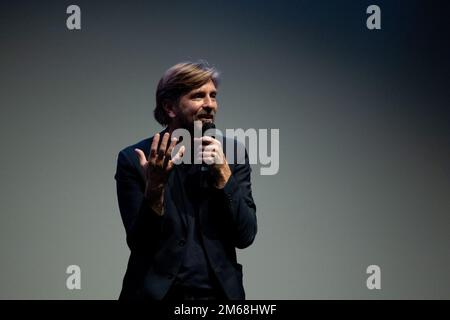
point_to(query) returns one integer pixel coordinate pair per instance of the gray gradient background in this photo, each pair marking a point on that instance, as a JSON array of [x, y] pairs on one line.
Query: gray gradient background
[[364, 126]]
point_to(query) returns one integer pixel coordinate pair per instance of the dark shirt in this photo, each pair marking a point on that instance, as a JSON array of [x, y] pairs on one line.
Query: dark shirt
[[195, 271]]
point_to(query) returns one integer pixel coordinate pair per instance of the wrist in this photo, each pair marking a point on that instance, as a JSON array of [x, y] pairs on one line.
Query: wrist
[[155, 197], [222, 176]]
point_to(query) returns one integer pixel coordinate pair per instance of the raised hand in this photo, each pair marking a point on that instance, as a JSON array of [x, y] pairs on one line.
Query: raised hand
[[157, 167]]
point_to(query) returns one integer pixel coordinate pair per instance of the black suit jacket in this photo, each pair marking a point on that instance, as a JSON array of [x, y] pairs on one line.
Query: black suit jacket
[[227, 221]]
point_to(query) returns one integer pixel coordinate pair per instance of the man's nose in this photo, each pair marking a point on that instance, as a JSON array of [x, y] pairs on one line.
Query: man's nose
[[209, 105]]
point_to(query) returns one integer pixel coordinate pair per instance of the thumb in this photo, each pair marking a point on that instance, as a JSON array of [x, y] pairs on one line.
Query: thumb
[[141, 157], [177, 159]]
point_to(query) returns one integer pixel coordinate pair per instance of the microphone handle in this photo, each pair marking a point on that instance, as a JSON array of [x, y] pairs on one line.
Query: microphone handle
[[204, 167]]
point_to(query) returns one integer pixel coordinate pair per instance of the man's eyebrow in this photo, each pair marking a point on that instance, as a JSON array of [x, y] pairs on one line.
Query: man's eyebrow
[[202, 91]]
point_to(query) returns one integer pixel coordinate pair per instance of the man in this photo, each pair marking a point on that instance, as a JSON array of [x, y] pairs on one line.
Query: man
[[184, 222]]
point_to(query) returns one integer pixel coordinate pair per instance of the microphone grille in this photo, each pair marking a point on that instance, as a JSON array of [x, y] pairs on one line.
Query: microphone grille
[[207, 126]]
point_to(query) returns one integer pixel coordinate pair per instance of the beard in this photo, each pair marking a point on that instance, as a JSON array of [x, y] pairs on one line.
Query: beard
[[187, 124], [190, 122]]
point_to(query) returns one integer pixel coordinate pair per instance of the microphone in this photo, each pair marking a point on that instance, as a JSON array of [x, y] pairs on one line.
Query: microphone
[[206, 126]]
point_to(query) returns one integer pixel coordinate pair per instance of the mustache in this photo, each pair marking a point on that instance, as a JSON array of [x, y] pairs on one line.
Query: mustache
[[205, 114]]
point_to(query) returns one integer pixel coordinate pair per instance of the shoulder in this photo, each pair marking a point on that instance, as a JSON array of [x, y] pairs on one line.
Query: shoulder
[[144, 145], [229, 142], [235, 151], [127, 156], [128, 162]]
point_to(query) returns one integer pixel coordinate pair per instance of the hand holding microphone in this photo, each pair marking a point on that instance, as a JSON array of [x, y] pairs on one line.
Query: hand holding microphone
[[211, 154]]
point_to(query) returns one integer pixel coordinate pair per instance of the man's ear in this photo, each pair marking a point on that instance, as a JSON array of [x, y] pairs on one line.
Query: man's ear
[[170, 110]]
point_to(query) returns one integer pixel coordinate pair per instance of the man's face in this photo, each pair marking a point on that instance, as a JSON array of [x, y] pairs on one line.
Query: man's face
[[198, 104]]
